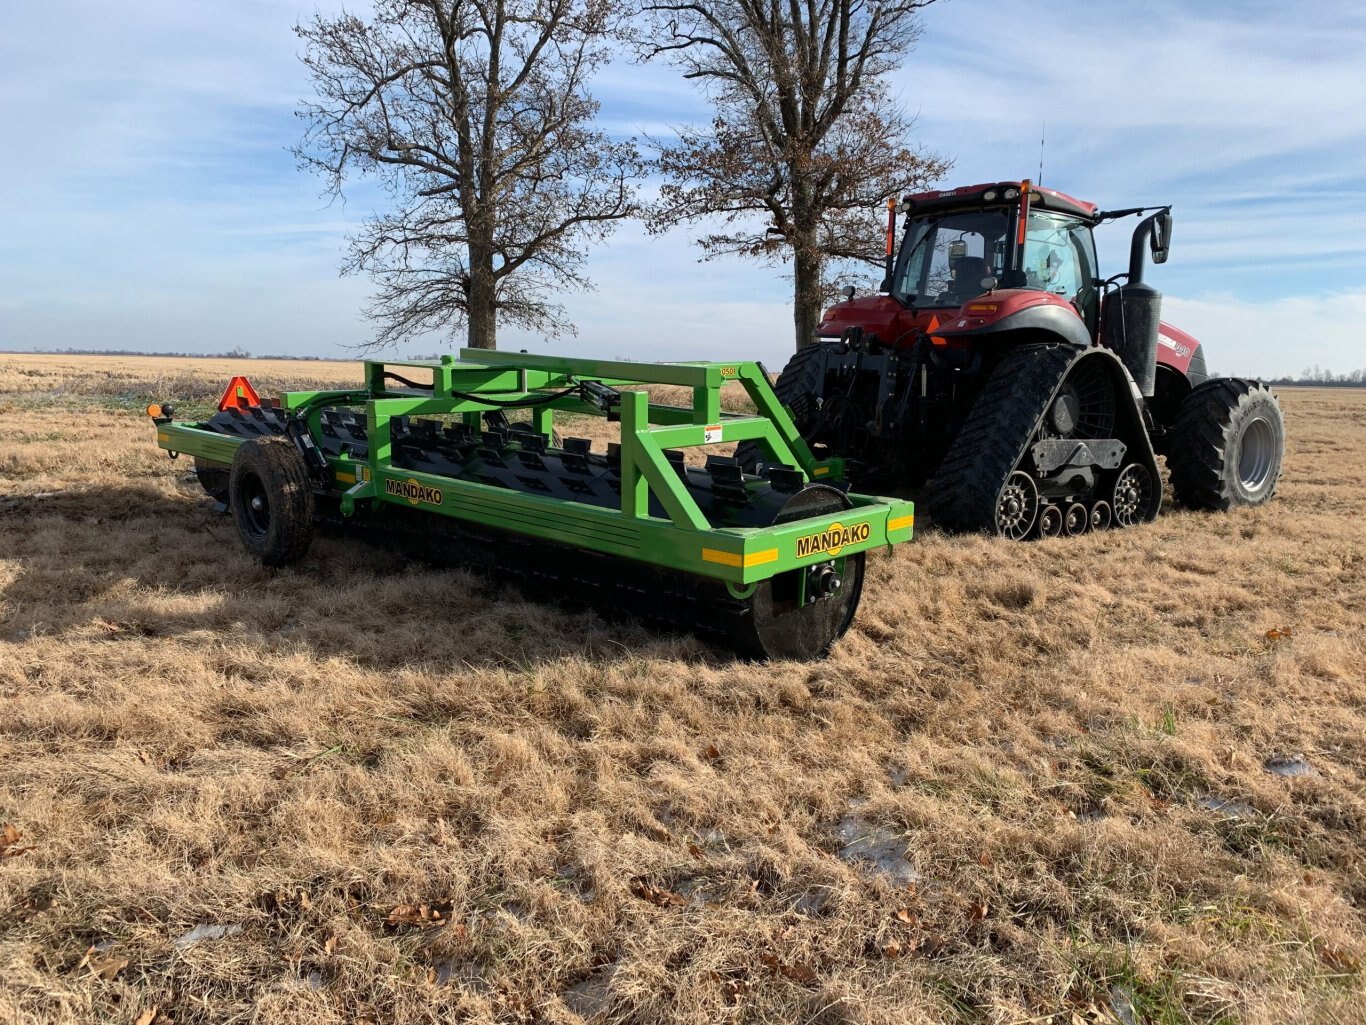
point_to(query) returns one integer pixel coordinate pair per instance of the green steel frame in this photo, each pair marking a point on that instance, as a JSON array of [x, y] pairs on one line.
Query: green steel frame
[[481, 381]]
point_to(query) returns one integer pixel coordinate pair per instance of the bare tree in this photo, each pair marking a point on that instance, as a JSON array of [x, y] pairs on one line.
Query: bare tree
[[807, 143], [476, 117]]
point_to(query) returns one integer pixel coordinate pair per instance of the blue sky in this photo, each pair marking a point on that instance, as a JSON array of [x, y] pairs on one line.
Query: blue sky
[[147, 198]]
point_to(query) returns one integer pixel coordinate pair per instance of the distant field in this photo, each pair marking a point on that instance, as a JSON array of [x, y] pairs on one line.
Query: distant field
[[1034, 784]]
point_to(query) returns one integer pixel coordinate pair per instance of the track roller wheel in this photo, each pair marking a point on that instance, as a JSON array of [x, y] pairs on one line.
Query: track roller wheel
[[1133, 495], [271, 499], [1227, 446], [1100, 516], [1018, 507], [1050, 521], [802, 613], [1075, 520]]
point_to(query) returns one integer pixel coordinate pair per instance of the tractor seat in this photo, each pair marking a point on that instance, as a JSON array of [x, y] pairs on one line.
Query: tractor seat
[[968, 275]]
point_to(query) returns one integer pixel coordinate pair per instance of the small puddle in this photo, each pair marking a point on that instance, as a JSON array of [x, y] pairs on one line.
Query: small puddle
[[1226, 806], [1289, 765], [206, 932], [878, 847]]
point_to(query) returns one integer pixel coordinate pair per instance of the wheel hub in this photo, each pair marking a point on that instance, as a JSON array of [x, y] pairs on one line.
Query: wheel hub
[[823, 581]]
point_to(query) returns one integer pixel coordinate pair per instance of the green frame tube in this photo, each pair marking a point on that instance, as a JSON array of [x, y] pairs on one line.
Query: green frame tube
[[481, 381]]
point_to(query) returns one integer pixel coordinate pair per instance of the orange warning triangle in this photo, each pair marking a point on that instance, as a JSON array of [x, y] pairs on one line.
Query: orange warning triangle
[[239, 395]]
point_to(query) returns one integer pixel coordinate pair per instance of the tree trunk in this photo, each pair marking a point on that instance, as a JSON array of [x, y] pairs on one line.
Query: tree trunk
[[482, 315], [806, 295]]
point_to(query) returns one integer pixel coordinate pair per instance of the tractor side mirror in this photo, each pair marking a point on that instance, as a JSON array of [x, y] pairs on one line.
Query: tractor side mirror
[[1161, 238], [847, 291]]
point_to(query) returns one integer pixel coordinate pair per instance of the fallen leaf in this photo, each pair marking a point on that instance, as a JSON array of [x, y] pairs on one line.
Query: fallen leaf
[[984, 859], [9, 841], [891, 949], [1342, 960], [102, 965], [712, 752], [329, 945], [804, 974], [907, 917], [1278, 633], [978, 911], [425, 915], [146, 1017], [657, 895], [696, 852]]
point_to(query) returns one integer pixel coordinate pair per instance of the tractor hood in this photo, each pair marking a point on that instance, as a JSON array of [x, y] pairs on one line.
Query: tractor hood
[[881, 317]]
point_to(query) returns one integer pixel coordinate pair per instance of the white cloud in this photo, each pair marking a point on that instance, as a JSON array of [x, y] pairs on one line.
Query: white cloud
[[148, 200], [1276, 336]]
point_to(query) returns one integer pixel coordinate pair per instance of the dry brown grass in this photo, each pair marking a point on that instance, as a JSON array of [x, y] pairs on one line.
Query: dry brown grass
[[1068, 738]]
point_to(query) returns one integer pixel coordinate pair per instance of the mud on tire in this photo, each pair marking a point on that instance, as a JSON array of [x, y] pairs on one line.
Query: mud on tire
[[1228, 445], [271, 499]]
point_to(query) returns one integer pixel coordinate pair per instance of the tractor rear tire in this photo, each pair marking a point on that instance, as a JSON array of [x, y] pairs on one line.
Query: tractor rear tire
[[271, 499], [797, 388], [1228, 445]]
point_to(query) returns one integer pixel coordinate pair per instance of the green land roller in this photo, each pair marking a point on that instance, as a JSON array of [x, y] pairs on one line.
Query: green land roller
[[424, 453]]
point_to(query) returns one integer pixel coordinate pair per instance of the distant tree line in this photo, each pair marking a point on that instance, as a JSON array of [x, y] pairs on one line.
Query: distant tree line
[[1317, 375], [234, 353]]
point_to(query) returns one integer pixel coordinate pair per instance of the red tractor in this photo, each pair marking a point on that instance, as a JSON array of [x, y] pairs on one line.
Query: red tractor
[[1029, 394]]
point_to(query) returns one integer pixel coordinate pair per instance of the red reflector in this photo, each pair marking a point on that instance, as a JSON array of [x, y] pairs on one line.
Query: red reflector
[[238, 395]]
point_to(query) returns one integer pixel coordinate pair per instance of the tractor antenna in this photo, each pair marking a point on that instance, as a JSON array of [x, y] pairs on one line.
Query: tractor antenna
[[1042, 131]]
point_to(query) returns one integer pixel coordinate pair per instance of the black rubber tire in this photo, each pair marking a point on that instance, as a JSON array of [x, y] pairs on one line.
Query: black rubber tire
[[213, 478], [1211, 446], [797, 388], [271, 499], [771, 628]]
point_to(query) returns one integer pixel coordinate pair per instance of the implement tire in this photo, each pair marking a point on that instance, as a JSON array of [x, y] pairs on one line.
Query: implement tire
[[797, 388], [213, 478], [271, 499], [1228, 445]]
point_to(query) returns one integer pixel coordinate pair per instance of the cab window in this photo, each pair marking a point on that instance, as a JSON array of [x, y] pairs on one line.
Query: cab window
[[1059, 255], [944, 259]]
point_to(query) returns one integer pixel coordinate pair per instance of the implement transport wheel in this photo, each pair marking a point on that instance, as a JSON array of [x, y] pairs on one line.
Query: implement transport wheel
[[802, 613], [271, 499], [213, 478], [1228, 445]]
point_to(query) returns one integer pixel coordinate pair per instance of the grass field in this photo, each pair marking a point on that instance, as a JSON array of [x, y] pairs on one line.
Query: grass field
[[1034, 784]]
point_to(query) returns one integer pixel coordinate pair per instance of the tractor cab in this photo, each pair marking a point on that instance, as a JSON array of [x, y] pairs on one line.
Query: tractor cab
[[961, 244]]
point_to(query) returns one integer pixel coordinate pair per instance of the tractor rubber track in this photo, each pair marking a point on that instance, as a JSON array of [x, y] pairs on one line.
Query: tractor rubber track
[[963, 494]]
